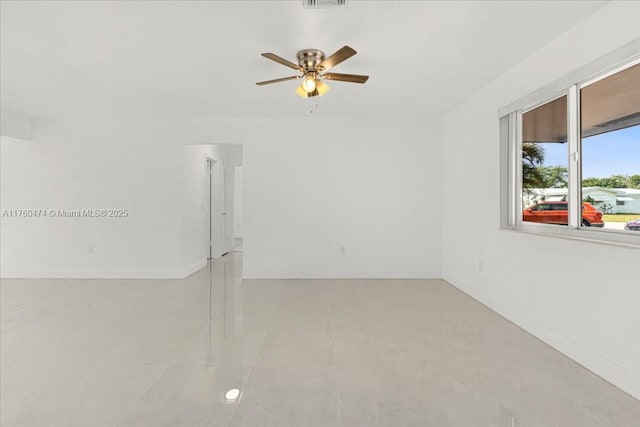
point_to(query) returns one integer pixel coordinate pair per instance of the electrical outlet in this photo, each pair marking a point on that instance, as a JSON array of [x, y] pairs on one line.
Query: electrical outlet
[[343, 250], [91, 249]]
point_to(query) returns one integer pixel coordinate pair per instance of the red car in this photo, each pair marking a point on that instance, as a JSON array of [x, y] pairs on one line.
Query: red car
[[557, 213]]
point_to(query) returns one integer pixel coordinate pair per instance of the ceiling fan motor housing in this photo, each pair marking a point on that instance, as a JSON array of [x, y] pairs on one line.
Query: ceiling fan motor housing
[[309, 59]]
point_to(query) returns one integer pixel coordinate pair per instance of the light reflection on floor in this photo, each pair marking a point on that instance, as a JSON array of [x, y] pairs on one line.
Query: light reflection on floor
[[314, 352]]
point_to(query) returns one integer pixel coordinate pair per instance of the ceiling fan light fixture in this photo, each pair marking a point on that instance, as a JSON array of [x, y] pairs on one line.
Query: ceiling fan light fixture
[[313, 67], [309, 83], [322, 87], [317, 4], [303, 93]]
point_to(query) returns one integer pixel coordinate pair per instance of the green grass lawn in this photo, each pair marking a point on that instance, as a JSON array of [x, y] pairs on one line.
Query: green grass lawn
[[619, 217]]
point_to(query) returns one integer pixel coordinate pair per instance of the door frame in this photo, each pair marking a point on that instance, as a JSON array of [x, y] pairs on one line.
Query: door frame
[[224, 212], [208, 207]]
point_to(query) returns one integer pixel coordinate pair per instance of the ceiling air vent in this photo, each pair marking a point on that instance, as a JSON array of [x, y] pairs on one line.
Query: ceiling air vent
[[316, 4]]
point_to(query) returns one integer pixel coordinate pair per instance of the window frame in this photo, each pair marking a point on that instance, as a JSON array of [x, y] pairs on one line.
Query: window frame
[[510, 128]]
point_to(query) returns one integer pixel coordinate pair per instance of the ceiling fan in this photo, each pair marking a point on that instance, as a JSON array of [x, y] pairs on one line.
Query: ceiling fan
[[313, 67]]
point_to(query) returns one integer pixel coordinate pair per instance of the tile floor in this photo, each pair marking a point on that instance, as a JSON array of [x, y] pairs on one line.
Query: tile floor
[[302, 353]]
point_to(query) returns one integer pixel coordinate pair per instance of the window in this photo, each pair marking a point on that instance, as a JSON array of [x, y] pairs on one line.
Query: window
[[610, 140], [545, 156], [570, 154]]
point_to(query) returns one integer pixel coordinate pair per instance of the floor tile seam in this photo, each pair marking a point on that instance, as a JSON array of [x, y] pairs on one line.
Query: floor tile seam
[[33, 302], [70, 309], [246, 381], [4, 331], [40, 299], [40, 396], [156, 380], [41, 318], [548, 329], [104, 355], [334, 371], [248, 374], [253, 362]]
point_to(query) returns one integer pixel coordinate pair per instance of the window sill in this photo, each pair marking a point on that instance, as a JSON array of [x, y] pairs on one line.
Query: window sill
[[602, 237]]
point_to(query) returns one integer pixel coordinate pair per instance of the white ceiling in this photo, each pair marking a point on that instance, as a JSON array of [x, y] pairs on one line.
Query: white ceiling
[[169, 59]]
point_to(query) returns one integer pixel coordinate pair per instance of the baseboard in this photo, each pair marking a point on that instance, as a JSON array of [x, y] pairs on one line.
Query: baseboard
[[105, 274], [94, 274], [335, 276], [609, 370], [193, 268]]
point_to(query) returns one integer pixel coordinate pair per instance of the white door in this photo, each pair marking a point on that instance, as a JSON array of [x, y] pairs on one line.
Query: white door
[[217, 215], [224, 248], [209, 209], [237, 208]]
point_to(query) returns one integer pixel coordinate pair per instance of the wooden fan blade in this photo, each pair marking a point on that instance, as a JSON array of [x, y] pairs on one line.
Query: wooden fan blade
[[351, 78], [284, 79], [280, 60], [341, 55]]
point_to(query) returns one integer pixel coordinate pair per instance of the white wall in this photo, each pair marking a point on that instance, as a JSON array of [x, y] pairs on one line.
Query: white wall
[[311, 186], [582, 298], [14, 125], [314, 185], [138, 165], [194, 211], [103, 165]]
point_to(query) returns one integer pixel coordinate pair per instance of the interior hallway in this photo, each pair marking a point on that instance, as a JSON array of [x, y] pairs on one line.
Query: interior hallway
[[302, 352]]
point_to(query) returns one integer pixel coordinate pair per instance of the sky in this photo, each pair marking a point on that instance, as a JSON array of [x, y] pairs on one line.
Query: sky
[[611, 153]]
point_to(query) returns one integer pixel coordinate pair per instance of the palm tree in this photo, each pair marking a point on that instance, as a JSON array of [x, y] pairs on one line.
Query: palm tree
[[532, 157], [554, 176]]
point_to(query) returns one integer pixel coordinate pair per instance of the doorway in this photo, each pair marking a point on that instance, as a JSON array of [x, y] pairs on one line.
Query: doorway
[[216, 236]]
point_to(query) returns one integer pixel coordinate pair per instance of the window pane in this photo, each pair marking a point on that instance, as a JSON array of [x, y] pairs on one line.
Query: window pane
[[545, 160], [610, 117]]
